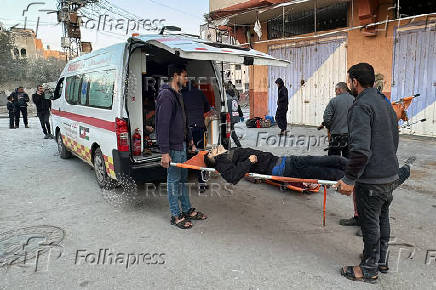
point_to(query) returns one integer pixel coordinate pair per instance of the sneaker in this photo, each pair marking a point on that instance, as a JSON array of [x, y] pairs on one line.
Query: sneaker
[[27, 126], [46, 136], [354, 221], [51, 136]]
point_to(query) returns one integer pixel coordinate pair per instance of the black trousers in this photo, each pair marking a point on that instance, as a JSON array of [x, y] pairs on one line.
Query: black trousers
[[234, 136], [198, 137], [11, 119], [281, 119], [373, 203], [315, 167], [44, 119], [338, 145], [17, 115]]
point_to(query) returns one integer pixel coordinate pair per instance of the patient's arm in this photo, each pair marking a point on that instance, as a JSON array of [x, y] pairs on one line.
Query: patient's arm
[[231, 172]]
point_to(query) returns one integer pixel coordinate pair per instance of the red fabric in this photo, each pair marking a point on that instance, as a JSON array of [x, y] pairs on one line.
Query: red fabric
[[207, 89]]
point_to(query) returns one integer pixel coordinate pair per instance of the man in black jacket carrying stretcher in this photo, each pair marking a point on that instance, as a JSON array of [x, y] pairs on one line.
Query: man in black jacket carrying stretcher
[[372, 171]]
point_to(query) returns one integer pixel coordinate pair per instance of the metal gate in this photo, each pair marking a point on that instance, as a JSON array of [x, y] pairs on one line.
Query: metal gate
[[315, 68], [414, 72]]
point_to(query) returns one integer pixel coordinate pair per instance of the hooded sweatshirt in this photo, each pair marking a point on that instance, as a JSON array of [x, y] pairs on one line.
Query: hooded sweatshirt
[[171, 125]]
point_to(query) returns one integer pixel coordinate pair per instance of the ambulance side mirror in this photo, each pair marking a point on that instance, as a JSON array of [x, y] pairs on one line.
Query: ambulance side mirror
[[58, 91]]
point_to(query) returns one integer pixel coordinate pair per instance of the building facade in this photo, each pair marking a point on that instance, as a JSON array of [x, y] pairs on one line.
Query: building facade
[[323, 38], [27, 45]]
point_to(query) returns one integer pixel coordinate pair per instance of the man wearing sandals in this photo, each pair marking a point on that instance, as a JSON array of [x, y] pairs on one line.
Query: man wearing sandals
[[372, 170], [172, 134]]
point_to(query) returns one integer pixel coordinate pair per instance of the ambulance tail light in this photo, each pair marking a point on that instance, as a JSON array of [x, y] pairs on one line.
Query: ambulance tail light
[[122, 132], [228, 126]]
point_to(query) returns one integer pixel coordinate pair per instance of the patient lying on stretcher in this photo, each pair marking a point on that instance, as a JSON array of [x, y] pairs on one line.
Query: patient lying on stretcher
[[233, 164]]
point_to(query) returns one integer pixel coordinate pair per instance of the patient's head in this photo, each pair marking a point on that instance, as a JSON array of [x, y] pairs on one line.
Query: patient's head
[[209, 159]]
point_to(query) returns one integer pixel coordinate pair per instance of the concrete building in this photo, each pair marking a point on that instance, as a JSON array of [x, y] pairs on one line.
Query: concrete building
[[30, 47], [323, 38]]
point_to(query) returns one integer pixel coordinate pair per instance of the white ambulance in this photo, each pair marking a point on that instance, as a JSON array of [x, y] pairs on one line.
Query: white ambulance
[[98, 104]]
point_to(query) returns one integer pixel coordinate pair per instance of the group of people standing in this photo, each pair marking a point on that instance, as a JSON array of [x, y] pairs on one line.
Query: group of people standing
[[363, 128], [17, 103]]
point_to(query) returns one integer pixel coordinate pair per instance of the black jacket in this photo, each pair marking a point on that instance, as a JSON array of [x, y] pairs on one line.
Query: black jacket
[[11, 107], [234, 164], [373, 140], [42, 104], [19, 100], [282, 100], [196, 105]]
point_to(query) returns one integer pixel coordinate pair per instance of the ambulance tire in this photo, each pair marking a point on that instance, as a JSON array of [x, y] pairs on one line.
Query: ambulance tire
[[103, 180], [63, 151]]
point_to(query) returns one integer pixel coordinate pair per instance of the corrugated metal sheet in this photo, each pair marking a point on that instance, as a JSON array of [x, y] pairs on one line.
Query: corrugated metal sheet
[[311, 77], [414, 72]]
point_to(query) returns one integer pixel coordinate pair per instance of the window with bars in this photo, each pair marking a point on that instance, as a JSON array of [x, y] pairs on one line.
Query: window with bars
[[413, 7], [302, 22]]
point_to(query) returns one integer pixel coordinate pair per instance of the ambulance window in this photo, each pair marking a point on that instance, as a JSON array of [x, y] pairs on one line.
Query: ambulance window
[[101, 89], [84, 90], [72, 90]]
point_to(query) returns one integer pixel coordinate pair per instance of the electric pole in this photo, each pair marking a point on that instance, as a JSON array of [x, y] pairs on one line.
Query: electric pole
[[68, 16]]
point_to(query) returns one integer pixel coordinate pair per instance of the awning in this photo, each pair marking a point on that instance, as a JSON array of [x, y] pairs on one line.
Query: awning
[[200, 49]]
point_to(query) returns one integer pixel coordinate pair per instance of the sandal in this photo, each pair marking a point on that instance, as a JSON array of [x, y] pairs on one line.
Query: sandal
[[182, 224], [349, 274], [383, 269], [198, 216]]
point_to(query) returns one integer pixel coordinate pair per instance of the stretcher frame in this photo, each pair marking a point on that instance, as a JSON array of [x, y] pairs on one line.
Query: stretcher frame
[[323, 183]]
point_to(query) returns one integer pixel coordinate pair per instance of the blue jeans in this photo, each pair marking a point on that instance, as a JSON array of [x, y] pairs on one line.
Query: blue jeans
[[176, 187]]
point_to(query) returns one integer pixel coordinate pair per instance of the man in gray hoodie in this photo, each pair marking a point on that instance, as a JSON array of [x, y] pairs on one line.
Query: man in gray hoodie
[[335, 120], [372, 170]]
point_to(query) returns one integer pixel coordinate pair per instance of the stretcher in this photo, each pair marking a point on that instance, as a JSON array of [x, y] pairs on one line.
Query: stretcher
[[197, 163]]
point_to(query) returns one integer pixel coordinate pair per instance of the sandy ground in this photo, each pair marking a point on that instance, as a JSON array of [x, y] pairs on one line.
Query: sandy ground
[[256, 237]]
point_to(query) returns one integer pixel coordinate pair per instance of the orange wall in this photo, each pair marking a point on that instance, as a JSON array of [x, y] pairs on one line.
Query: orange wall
[[375, 50]]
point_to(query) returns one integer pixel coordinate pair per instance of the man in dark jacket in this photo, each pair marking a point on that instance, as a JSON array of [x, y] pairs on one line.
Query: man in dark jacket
[[43, 107], [173, 135], [20, 99], [282, 106], [335, 120], [372, 170], [196, 105], [11, 111], [233, 164], [235, 113]]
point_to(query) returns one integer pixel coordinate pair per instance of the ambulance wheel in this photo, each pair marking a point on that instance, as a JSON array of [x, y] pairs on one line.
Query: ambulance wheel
[[63, 151], [103, 180]]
